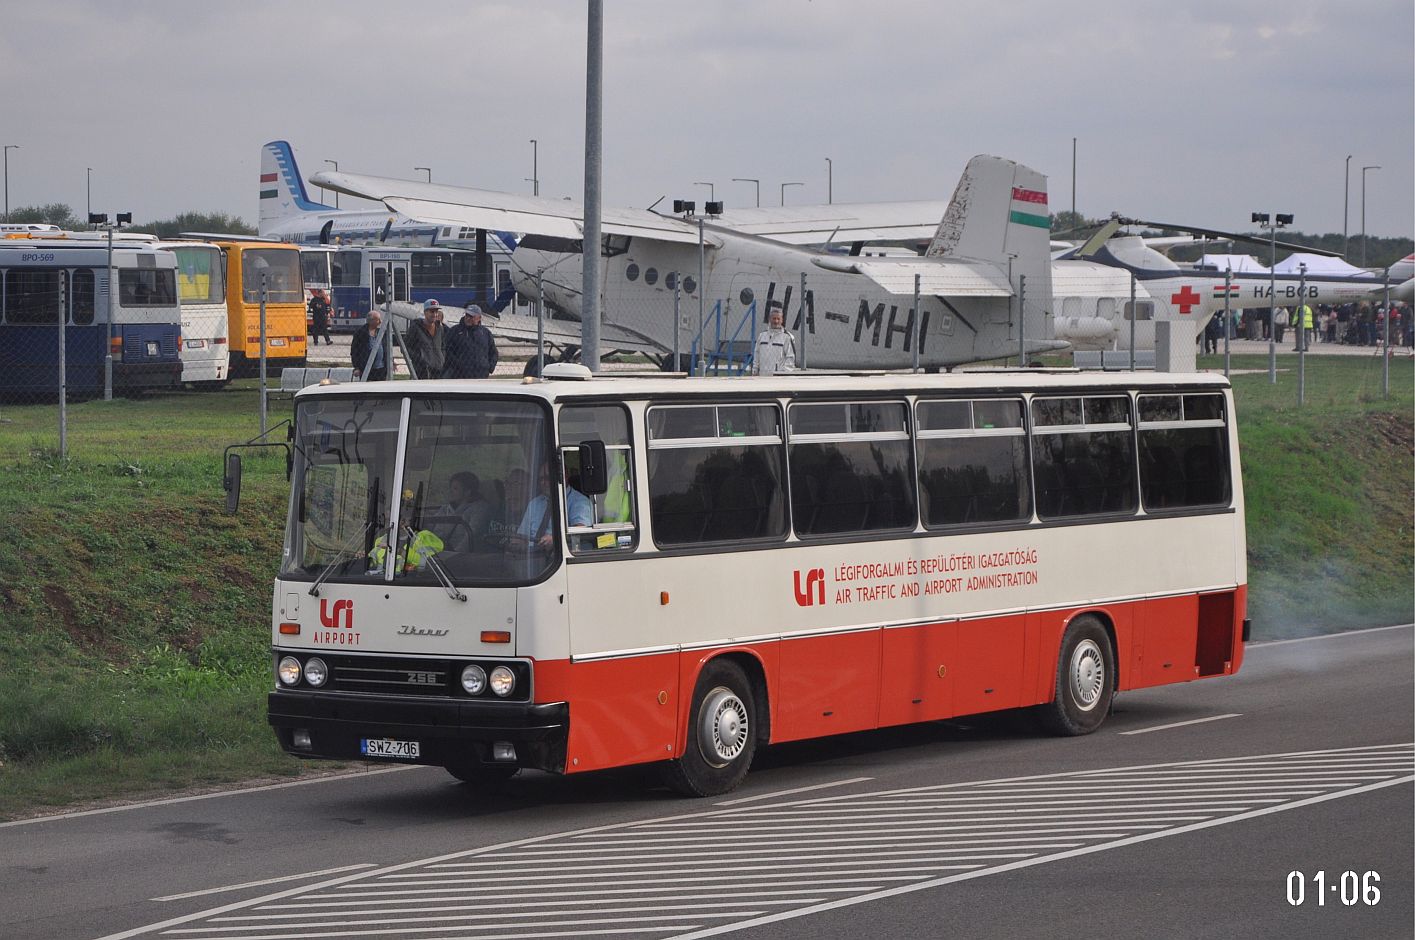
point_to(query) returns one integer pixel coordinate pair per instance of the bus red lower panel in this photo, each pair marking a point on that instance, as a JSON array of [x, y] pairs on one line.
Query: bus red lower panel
[[829, 685], [916, 681], [622, 711]]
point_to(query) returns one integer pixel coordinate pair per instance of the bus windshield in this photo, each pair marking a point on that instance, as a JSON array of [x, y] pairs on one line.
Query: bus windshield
[[474, 502], [200, 278], [280, 268]]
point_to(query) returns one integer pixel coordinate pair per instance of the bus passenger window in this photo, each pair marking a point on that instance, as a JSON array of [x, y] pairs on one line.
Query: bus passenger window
[[716, 474], [972, 462], [1183, 452], [1083, 456], [851, 468]]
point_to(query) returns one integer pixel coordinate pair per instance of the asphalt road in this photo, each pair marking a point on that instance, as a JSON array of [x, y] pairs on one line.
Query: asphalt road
[[1183, 816]]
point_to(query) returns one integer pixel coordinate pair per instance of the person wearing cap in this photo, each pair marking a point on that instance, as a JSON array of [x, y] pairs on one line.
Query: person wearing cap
[[471, 349], [425, 343]]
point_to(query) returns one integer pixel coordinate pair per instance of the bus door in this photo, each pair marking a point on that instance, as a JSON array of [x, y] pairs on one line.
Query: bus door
[[389, 280]]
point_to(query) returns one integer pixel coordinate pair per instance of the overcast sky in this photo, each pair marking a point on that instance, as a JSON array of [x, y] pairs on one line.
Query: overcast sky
[[1197, 112]]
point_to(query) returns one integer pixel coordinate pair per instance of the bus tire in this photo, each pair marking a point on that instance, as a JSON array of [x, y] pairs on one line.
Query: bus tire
[[721, 733], [1085, 680]]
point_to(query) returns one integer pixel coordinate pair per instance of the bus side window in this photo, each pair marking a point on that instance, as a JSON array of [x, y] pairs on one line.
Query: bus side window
[[613, 524]]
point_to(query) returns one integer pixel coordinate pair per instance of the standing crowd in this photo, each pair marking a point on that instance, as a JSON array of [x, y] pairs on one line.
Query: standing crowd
[[1354, 324], [433, 351]]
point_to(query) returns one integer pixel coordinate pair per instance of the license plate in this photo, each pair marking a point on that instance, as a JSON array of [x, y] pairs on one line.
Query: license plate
[[196, 344], [383, 747], [153, 349], [278, 341]]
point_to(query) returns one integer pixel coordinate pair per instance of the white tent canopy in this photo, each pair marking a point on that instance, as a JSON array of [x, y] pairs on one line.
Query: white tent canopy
[[1318, 264], [1241, 264]]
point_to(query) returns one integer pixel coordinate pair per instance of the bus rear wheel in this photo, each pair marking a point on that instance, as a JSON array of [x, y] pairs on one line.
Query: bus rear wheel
[[1085, 680], [721, 734]]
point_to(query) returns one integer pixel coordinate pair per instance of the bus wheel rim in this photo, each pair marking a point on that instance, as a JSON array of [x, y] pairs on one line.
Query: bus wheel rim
[[723, 726], [1087, 674]]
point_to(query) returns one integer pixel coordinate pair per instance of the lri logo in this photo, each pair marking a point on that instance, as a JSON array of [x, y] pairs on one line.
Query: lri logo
[[813, 590], [342, 610]]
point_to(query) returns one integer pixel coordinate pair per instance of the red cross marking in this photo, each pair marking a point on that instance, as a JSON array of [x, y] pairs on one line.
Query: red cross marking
[[1185, 299]]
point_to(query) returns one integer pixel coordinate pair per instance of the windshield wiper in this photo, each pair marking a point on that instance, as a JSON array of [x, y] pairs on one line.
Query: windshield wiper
[[432, 563], [347, 549]]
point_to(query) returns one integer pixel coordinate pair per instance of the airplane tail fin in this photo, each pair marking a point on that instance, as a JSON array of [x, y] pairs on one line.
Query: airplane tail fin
[[282, 192], [998, 215]]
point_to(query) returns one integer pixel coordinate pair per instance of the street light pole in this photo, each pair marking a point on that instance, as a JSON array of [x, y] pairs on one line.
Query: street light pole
[[756, 183], [829, 181], [8, 148], [1363, 211], [535, 167], [711, 196], [1073, 181], [88, 192], [1346, 210], [336, 192], [427, 170], [783, 190]]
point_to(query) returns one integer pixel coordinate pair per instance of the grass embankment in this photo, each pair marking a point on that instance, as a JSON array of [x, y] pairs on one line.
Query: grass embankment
[[134, 613]]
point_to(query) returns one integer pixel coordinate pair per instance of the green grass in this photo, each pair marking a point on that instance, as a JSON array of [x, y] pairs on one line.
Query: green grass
[[134, 614]]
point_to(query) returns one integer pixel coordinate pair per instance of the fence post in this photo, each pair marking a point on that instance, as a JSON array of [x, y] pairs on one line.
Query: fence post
[[1302, 337], [1132, 325], [63, 370], [804, 330], [1227, 318], [677, 323], [1385, 353], [262, 354], [108, 338], [540, 325]]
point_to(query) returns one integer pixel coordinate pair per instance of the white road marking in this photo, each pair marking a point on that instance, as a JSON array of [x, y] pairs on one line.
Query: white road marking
[[327, 778], [267, 881], [1328, 636], [799, 858], [781, 793], [1028, 863], [1181, 724]]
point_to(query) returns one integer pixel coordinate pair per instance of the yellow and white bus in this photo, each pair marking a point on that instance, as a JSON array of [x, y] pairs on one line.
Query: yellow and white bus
[[249, 265], [591, 572]]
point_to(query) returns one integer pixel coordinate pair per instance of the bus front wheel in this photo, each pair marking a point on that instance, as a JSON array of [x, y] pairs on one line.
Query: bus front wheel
[[721, 735], [1085, 680]]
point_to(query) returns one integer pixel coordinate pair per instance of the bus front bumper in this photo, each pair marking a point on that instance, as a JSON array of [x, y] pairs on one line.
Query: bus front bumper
[[335, 726]]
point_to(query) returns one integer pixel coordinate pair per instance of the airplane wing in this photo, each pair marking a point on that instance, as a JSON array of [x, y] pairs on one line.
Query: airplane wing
[[874, 222], [951, 278], [437, 204]]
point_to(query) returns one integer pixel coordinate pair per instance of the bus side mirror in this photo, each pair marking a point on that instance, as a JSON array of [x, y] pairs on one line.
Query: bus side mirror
[[594, 469], [231, 482]]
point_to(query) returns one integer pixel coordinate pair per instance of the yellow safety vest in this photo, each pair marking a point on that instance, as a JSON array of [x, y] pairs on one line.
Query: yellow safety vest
[[423, 546]]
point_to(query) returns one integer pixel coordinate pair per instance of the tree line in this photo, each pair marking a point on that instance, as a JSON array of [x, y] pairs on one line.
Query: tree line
[[63, 215]]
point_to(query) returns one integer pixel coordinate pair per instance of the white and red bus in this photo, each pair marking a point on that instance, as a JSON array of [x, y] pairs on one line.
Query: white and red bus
[[595, 572]]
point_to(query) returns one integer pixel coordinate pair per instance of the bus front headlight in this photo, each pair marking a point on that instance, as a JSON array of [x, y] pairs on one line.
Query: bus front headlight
[[316, 672], [473, 679], [503, 680], [289, 671]]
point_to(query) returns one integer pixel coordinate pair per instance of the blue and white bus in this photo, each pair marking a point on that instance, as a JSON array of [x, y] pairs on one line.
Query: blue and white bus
[[360, 276], [48, 281]]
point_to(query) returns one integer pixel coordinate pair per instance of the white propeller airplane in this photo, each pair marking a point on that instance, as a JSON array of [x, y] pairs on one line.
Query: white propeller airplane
[[990, 246]]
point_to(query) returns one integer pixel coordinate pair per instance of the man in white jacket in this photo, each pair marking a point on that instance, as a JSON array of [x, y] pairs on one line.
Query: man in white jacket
[[776, 349]]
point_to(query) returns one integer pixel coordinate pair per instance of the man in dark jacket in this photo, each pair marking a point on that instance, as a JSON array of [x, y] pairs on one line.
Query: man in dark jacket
[[471, 349], [425, 343], [363, 344], [319, 318]]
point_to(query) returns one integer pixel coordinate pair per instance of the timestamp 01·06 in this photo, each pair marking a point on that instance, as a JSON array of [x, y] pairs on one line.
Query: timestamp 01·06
[[1350, 887]]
